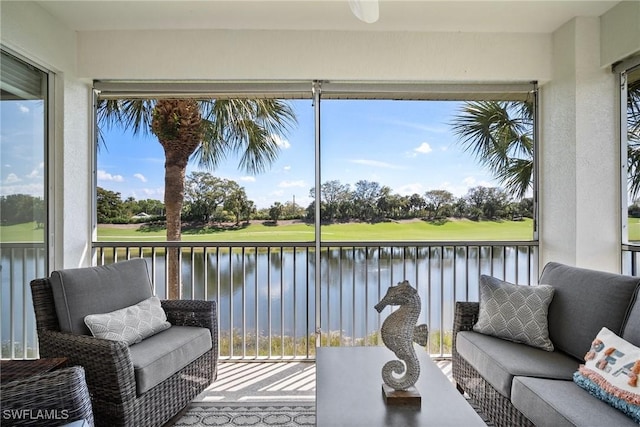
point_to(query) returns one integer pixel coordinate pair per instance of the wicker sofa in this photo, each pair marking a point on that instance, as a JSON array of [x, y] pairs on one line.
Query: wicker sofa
[[143, 384], [518, 385]]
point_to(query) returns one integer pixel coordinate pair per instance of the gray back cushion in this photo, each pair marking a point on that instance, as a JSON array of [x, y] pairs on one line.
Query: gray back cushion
[[631, 330], [584, 302], [78, 292]]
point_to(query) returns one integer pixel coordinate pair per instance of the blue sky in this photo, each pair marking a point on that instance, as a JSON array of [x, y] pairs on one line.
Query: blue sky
[[406, 145], [21, 147]]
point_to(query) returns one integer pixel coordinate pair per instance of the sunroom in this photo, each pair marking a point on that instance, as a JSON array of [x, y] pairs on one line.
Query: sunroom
[[572, 60]]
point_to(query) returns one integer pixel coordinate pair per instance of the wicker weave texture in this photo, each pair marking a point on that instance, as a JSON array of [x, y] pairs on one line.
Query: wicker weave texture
[[493, 404], [109, 371], [52, 399]]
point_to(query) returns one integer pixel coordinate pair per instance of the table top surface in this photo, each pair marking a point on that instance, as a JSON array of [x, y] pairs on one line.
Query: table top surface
[[11, 370], [349, 392]]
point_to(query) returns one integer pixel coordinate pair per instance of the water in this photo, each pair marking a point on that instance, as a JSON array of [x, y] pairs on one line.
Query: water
[[273, 292]]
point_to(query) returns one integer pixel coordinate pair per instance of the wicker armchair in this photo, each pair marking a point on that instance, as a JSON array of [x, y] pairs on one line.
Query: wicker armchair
[[54, 399], [493, 404], [110, 375]]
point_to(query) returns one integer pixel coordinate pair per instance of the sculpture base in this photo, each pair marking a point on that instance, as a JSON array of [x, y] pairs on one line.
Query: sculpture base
[[410, 397]]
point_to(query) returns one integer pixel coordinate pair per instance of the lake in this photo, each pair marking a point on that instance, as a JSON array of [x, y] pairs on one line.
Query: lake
[[266, 292]]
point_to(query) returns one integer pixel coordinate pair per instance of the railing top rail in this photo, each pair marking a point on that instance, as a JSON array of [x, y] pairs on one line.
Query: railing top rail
[[21, 245], [310, 244], [632, 247]]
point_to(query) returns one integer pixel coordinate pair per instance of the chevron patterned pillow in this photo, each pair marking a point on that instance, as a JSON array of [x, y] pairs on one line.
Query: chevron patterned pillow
[[515, 312], [130, 324]]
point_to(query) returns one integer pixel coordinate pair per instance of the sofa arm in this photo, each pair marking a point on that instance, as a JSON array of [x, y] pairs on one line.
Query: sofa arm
[[464, 317], [191, 313], [63, 394], [107, 364], [194, 313]]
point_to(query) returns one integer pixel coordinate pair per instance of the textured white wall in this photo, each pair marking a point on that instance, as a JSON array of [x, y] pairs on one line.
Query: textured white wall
[[579, 154], [282, 55], [620, 32]]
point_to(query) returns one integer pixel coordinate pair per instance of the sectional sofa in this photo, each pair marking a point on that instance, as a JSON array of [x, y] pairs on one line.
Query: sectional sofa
[[517, 384]]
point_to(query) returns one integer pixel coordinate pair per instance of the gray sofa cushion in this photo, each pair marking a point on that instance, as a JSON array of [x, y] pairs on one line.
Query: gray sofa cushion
[[631, 330], [498, 360], [585, 301], [557, 403], [78, 292], [158, 357]]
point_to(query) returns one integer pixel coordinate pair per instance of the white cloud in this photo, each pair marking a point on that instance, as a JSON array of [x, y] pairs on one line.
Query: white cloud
[[149, 193], [288, 184], [462, 188], [36, 172], [409, 189], [247, 178], [472, 182], [105, 176], [140, 177], [286, 168], [424, 148], [281, 142], [375, 163], [12, 178], [34, 189], [23, 108]]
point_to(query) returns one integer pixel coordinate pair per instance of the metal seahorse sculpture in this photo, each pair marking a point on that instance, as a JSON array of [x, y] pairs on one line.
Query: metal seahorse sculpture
[[399, 332]]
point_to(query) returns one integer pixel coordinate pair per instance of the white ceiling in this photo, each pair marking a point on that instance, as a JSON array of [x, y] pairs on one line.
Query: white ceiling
[[531, 16]]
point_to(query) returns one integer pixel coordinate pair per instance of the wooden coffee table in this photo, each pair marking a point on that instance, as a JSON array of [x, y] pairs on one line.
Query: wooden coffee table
[[349, 392]]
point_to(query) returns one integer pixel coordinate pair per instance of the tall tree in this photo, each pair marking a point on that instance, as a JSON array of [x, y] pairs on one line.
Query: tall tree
[[500, 136], [436, 200], [206, 131], [633, 133]]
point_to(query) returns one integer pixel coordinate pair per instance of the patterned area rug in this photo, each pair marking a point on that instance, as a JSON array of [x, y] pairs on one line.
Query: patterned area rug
[[232, 416]]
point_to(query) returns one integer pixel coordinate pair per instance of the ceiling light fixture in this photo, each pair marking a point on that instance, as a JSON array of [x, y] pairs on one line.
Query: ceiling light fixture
[[365, 10]]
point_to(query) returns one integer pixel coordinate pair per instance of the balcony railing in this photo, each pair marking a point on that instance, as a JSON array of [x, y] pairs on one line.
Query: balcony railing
[[266, 292], [631, 260]]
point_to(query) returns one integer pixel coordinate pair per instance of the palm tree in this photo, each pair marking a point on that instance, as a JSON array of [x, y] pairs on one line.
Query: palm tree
[[206, 131], [500, 135], [633, 134]]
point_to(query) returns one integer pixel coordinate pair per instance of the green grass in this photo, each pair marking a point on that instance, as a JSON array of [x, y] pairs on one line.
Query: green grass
[[417, 230], [27, 232], [634, 229]]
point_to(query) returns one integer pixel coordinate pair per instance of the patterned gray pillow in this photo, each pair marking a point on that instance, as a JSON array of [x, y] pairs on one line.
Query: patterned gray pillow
[[130, 324], [514, 312]]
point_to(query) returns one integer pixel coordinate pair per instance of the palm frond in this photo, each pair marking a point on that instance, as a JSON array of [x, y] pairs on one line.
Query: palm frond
[[248, 128], [134, 115], [500, 136]]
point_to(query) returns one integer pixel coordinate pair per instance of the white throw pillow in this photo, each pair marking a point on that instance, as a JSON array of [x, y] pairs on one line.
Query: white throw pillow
[[130, 324], [610, 373]]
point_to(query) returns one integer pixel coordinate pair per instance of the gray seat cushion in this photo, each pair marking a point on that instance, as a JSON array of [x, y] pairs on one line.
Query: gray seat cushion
[[584, 302], [78, 292], [555, 403], [498, 360], [158, 357]]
